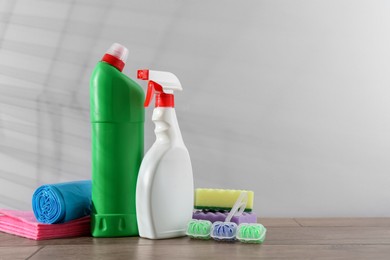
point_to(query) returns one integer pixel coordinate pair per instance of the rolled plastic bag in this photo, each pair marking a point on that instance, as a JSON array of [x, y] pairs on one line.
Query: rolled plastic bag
[[62, 202]]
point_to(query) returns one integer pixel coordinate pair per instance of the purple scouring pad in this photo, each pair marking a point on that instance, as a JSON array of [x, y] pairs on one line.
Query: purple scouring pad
[[213, 216]]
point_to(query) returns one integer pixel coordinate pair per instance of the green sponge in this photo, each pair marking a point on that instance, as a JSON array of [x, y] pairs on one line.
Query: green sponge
[[220, 199]]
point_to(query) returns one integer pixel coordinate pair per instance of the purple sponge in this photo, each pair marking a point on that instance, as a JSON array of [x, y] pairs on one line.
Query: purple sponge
[[213, 216]]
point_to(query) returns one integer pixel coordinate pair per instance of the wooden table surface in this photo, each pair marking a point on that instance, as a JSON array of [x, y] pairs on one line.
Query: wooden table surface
[[298, 238]]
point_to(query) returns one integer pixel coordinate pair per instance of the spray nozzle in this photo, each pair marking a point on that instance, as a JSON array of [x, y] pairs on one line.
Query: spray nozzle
[[163, 84]]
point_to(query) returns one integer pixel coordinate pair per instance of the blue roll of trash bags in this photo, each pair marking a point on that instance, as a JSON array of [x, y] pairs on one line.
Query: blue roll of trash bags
[[62, 202]]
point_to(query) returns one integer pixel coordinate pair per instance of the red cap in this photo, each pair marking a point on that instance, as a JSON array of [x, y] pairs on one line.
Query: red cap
[[116, 56], [114, 61]]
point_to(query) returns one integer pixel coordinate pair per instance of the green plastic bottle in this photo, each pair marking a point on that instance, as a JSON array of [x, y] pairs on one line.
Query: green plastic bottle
[[117, 121]]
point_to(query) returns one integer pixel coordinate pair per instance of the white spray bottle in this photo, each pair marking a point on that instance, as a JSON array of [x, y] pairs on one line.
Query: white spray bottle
[[165, 189]]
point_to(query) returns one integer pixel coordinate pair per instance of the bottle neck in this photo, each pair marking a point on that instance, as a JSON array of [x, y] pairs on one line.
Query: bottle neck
[[166, 126]]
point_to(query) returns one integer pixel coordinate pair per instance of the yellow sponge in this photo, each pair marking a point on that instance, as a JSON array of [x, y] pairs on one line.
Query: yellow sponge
[[220, 199]]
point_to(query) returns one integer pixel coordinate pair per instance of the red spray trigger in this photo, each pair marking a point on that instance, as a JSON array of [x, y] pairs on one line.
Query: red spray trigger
[[152, 87], [144, 75], [149, 94]]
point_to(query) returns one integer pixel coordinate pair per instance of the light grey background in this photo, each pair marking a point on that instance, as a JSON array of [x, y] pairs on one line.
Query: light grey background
[[286, 98]]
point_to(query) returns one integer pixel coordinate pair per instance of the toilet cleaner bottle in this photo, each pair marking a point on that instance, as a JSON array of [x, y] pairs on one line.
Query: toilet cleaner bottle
[[117, 122], [164, 195]]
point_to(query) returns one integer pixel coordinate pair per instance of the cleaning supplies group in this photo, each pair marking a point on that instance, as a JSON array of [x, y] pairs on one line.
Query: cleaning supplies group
[[214, 221], [129, 194]]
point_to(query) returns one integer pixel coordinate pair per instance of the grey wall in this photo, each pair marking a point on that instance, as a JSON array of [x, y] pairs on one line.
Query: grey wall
[[287, 98]]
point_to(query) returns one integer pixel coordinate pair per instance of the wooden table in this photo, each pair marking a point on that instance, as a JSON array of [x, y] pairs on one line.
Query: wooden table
[[299, 238]]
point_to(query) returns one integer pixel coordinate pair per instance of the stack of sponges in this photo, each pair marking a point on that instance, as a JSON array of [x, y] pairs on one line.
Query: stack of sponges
[[215, 204], [225, 215]]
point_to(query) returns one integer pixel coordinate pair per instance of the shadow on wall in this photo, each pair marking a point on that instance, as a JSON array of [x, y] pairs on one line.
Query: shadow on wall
[[44, 113]]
